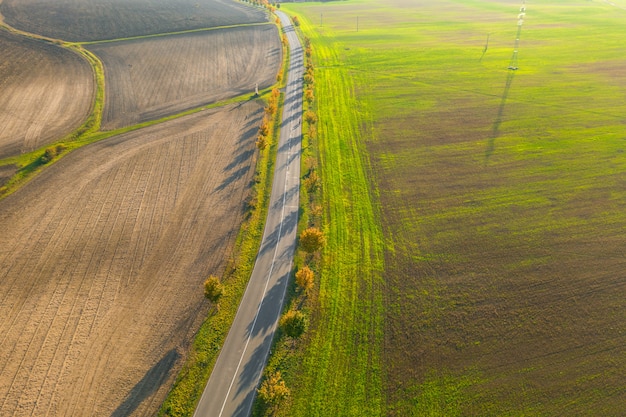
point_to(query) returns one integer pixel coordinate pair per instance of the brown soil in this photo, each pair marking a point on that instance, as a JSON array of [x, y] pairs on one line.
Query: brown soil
[[45, 93], [101, 278], [86, 20], [525, 298], [150, 78], [6, 172]]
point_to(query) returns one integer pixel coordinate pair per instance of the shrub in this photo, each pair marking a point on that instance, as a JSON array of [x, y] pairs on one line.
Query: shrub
[[213, 289], [272, 393], [264, 129], [305, 279], [312, 239], [312, 132], [308, 78], [262, 142], [293, 323], [312, 181], [310, 117], [51, 152], [308, 95]]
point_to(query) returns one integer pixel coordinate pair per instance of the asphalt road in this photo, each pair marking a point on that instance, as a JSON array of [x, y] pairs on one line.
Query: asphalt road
[[232, 386]]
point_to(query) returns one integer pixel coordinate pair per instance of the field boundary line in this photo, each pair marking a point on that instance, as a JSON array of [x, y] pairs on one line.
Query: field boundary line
[[160, 35]]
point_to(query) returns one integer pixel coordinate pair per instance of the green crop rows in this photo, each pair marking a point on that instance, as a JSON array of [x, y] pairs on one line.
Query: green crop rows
[[474, 213]]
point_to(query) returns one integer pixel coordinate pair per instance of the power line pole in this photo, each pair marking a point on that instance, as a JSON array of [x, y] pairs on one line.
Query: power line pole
[[520, 22]]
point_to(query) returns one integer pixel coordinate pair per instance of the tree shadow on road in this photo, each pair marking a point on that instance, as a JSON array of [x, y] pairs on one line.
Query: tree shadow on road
[[272, 298], [290, 222], [250, 377]]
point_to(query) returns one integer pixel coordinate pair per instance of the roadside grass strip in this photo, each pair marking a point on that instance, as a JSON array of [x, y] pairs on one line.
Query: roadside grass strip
[[339, 368]]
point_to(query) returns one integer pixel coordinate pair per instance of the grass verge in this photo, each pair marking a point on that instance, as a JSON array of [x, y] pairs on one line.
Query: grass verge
[[187, 390], [190, 383], [336, 368]]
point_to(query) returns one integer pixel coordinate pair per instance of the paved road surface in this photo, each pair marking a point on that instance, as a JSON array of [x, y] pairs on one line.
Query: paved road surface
[[232, 386]]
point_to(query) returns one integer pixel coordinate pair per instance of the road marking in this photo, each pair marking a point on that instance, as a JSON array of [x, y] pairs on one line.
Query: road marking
[[267, 280]]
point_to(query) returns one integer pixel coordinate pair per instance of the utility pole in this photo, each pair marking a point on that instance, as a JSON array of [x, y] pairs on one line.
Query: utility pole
[[357, 23], [321, 20]]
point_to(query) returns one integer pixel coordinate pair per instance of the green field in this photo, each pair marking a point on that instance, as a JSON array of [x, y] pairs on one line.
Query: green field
[[475, 214]]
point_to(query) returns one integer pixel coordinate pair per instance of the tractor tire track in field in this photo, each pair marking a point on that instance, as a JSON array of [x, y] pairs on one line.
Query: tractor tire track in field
[[100, 280], [148, 78], [45, 92]]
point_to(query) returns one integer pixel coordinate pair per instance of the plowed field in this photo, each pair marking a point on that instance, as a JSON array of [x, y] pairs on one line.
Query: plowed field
[[45, 92], [150, 78], [101, 279], [88, 20]]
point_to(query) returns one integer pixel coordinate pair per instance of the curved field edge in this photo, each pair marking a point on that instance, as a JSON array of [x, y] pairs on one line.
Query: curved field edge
[[152, 77], [31, 163], [26, 166], [337, 368]]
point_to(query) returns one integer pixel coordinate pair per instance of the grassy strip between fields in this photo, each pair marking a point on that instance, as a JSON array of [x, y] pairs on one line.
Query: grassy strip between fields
[[181, 32], [30, 164], [335, 369]]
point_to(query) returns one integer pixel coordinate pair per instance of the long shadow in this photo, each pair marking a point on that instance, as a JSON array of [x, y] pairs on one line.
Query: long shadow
[[148, 385], [240, 159], [289, 100], [495, 128], [287, 121], [290, 222], [251, 374], [272, 299], [288, 194], [232, 178]]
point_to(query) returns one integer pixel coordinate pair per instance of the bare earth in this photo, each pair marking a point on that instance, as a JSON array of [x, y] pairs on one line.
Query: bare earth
[[89, 20], [100, 279], [45, 92], [149, 78]]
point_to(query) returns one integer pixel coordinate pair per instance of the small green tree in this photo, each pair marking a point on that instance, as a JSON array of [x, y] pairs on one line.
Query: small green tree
[[213, 289], [272, 393], [50, 153], [312, 239], [305, 279], [293, 323], [309, 79]]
